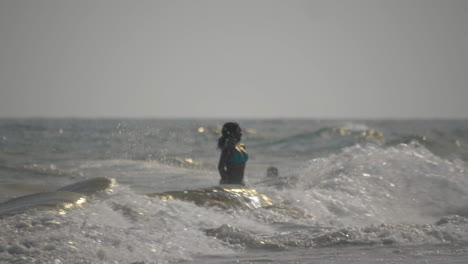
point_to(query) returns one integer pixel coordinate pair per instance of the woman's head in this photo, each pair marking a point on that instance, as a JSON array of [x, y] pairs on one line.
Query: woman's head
[[231, 131]]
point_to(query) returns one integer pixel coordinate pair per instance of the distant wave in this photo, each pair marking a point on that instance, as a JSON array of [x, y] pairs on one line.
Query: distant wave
[[63, 198], [177, 162], [38, 169], [325, 139]]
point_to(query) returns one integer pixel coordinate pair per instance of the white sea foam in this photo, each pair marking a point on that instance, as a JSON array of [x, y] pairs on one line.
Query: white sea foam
[[371, 185], [362, 191]]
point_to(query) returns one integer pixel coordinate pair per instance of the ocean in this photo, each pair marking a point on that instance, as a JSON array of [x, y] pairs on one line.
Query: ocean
[[348, 191]]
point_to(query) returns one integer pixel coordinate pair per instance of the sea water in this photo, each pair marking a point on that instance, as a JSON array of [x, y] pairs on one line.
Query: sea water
[[368, 191]]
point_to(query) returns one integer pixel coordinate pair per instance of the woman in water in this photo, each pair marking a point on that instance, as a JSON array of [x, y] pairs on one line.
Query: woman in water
[[233, 157]]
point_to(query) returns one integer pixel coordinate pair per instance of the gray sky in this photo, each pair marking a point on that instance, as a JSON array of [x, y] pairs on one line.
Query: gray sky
[[239, 59]]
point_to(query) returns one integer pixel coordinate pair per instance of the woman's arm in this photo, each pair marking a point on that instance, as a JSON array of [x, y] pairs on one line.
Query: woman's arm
[[225, 155]]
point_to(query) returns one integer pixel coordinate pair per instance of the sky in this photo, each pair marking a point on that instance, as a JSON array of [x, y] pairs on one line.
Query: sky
[[373, 59]]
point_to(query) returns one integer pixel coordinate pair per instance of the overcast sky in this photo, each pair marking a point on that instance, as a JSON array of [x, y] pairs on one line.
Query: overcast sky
[[237, 59]]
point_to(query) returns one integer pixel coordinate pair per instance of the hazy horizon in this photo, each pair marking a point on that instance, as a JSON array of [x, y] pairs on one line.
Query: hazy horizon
[[234, 59]]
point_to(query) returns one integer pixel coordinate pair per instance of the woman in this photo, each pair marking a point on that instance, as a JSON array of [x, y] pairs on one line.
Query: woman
[[233, 157]]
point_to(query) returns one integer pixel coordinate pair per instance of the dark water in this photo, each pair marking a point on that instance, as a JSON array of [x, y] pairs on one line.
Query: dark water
[[375, 191]]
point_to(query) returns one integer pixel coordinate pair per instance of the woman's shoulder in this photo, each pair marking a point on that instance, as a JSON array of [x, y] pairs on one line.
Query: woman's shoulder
[[233, 146], [241, 148]]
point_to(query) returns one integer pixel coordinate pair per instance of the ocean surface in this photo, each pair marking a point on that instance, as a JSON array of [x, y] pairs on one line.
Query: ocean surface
[[377, 191]]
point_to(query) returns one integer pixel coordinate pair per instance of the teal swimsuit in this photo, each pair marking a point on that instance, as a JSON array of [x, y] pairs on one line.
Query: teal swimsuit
[[233, 168], [239, 155]]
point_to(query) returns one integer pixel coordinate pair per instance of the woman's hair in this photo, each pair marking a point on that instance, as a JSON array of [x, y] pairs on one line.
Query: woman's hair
[[231, 130]]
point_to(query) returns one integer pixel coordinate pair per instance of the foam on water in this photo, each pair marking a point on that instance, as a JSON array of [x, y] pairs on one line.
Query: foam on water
[[448, 230], [123, 227], [371, 185], [362, 186]]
